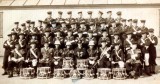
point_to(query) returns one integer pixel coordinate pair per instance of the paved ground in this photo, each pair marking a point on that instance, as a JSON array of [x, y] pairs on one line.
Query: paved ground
[[155, 79]]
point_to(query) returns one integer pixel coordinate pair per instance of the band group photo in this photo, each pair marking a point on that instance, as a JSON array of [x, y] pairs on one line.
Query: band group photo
[[80, 48]]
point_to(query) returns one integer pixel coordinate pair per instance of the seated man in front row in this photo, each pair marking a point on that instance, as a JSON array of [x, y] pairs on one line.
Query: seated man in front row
[[133, 62], [16, 60], [33, 56], [46, 55]]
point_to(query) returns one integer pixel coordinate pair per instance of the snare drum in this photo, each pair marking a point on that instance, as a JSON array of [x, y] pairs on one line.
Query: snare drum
[[43, 72], [27, 73], [88, 74], [59, 73], [104, 73], [67, 64], [74, 74], [82, 64], [119, 73]]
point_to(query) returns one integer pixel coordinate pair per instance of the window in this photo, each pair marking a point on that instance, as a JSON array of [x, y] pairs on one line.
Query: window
[[1, 24]]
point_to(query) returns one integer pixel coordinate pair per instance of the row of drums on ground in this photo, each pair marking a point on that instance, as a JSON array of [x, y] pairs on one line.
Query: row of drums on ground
[[102, 73]]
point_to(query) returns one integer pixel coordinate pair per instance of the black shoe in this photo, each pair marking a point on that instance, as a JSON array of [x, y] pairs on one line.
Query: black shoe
[[135, 77], [153, 72], [148, 74], [10, 76], [5, 73]]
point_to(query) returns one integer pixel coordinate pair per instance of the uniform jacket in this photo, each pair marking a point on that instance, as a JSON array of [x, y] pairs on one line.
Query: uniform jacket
[[30, 56], [46, 53], [117, 55]]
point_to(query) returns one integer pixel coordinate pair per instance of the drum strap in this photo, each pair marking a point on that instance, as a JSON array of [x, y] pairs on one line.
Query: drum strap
[[129, 41], [142, 41], [20, 42], [17, 52], [34, 54], [8, 43], [118, 54]]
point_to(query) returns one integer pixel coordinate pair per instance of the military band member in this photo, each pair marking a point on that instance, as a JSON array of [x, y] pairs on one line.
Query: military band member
[[59, 16], [102, 26], [116, 38], [133, 62], [63, 26], [69, 37], [144, 44], [28, 22], [128, 41], [47, 38], [54, 25], [93, 57], [104, 59], [123, 31], [14, 37], [49, 18], [119, 17], [46, 56], [16, 60], [104, 38], [112, 28], [33, 29], [99, 18], [22, 41], [73, 27], [45, 24], [40, 27], [124, 25], [69, 19], [32, 57], [109, 18], [80, 52], [89, 17], [68, 58], [94, 29], [80, 17], [83, 27], [33, 37], [143, 27], [23, 29], [68, 52], [58, 36], [16, 28], [117, 56], [130, 23], [57, 55], [152, 50], [89, 38], [8, 46], [79, 37], [136, 30]]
